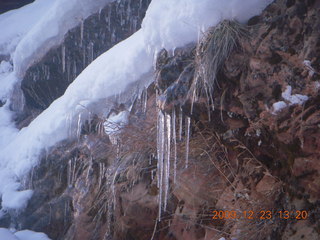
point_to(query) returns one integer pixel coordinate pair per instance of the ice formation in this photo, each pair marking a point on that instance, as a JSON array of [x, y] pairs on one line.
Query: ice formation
[[167, 24]]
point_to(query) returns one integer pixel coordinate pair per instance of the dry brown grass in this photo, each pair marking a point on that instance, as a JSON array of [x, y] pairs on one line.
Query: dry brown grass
[[212, 51]]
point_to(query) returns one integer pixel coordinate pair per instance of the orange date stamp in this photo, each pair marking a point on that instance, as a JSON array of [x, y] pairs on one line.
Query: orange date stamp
[[262, 215]]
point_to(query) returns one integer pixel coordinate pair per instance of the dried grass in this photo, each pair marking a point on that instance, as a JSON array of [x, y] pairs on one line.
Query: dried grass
[[212, 51]]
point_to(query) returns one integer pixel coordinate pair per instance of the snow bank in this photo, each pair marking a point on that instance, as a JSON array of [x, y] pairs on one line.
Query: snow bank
[[110, 73], [50, 30], [6, 234], [30, 235], [16, 23], [16, 199], [167, 24]]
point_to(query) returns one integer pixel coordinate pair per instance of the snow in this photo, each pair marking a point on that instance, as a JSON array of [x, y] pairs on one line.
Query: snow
[[167, 24], [6, 234], [7, 79], [111, 73], [5, 67], [290, 99], [278, 106], [312, 71], [16, 23], [63, 15], [114, 124], [30, 235], [16, 199], [293, 99]]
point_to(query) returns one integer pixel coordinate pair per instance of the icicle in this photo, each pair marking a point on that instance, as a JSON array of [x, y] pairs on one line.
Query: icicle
[[174, 139], [150, 160], [31, 179], [74, 69], [193, 99], [91, 52], [128, 13], [74, 171], [50, 213], [134, 25], [187, 141], [180, 124], [155, 57], [145, 100], [109, 218], [109, 18], [172, 52], [101, 173], [152, 174], [79, 126], [71, 171], [113, 37], [100, 9], [68, 123], [68, 71], [118, 148], [65, 212], [113, 190], [84, 57], [167, 160], [81, 32], [63, 49], [158, 142], [160, 151], [90, 121]]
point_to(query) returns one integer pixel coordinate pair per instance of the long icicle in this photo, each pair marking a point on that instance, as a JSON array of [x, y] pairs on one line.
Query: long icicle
[[187, 140], [145, 100], [180, 124], [160, 160], [174, 139], [63, 58], [158, 143], [167, 160]]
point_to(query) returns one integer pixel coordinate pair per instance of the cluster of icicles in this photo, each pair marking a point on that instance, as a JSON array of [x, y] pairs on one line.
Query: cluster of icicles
[[166, 147]]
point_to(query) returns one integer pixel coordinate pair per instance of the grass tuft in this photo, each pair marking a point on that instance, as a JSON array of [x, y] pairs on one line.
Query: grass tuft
[[212, 51]]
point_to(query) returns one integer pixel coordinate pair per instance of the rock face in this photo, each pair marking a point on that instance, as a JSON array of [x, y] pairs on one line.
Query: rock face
[[253, 168], [47, 80], [7, 5]]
